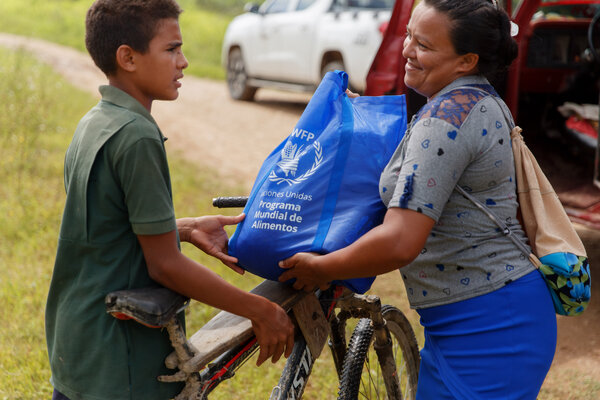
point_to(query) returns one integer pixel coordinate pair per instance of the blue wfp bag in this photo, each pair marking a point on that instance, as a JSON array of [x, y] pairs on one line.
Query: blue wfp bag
[[318, 191]]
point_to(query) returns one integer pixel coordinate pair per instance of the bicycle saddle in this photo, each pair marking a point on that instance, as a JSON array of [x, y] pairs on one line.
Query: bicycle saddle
[[153, 307]]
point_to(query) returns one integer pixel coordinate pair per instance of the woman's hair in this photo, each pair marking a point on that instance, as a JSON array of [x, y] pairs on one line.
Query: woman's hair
[[112, 23], [480, 27]]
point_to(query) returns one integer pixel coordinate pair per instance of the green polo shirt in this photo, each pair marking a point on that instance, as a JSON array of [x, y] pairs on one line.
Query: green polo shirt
[[118, 185]]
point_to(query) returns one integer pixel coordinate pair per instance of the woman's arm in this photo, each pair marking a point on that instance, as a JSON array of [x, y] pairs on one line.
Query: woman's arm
[[391, 245]]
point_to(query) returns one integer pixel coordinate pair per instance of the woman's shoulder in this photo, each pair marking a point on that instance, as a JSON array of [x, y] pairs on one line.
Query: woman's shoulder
[[455, 105]]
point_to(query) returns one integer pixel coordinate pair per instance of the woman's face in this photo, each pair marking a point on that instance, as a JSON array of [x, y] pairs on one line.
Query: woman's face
[[432, 62]]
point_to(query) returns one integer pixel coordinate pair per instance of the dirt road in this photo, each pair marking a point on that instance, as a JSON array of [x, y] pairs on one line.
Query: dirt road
[[204, 124], [232, 138]]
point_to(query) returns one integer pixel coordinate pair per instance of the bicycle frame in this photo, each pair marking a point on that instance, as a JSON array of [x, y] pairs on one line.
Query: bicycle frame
[[225, 357], [297, 370]]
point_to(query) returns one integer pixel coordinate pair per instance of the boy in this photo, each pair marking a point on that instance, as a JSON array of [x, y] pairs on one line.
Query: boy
[[119, 230]]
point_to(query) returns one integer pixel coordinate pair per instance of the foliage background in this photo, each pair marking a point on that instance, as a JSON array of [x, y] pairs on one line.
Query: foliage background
[[203, 24]]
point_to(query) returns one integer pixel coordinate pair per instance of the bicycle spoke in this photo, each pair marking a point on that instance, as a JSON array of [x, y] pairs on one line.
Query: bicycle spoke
[[374, 380]]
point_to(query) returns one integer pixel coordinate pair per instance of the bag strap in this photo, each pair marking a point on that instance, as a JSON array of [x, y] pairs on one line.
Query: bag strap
[[505, 229]]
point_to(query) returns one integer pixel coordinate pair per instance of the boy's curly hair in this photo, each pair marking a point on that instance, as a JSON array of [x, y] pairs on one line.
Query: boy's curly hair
[[112, 23]]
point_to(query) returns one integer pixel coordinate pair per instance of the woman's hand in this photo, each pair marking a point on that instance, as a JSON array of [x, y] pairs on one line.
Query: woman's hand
[[352, 94], [207, 234], [303, 267]]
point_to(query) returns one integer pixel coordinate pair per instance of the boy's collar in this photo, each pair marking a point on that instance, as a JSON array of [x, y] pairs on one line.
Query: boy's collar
[[123, 99]]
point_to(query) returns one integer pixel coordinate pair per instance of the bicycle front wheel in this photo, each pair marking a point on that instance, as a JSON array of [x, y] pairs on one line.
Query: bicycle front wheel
[[362, 376]]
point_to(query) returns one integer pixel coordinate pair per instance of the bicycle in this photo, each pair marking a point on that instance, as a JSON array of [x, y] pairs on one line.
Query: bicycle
[[382, 341]]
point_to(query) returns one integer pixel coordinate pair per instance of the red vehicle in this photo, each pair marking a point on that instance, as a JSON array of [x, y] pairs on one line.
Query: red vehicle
[[552, 89]]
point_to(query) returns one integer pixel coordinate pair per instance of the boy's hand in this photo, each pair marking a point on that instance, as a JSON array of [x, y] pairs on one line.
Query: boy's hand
[[207, 234], [274, 333], [304, 269]]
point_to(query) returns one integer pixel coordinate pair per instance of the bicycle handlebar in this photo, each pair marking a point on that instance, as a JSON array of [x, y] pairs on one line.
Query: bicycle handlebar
[[230, 202]]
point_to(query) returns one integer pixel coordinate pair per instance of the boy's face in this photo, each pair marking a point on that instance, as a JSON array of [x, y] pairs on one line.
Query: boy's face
[[160, 68]]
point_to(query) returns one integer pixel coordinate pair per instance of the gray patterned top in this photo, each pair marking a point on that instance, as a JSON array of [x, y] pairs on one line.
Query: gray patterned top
[[459, 137]]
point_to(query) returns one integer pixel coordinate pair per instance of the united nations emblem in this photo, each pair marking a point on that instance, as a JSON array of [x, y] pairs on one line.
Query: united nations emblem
[[290, 160]]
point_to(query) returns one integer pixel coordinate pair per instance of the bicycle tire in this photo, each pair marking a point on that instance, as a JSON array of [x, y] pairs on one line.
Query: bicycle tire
[[296, 372], [361, 372]]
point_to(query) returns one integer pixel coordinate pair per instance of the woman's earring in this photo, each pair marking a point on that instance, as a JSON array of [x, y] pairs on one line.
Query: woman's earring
[[514, 29]]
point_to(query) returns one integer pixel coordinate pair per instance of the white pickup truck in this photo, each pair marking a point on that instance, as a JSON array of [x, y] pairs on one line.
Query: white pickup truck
[[291, 44]]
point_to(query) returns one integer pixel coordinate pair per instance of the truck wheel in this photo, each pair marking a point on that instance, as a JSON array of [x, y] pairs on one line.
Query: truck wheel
[[237, 79], [332, 66]]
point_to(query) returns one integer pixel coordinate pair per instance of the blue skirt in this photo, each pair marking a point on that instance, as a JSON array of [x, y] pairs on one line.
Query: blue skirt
[[496, 346]]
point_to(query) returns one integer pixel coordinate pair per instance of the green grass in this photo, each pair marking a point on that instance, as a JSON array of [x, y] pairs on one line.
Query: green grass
[[231, 7], [63, 22], [35, 126], [203, 33]]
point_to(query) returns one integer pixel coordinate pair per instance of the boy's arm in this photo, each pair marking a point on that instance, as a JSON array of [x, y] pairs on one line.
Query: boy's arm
[[169, 267], [207, 234]]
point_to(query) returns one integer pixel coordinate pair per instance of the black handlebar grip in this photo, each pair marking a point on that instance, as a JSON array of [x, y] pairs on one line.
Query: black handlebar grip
[[230, 202]]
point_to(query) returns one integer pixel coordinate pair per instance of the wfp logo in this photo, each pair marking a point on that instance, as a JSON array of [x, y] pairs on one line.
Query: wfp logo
[[289, 159], [291, 155]]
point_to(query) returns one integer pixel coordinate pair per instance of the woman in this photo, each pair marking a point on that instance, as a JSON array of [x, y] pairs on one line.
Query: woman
[[490, 326]]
